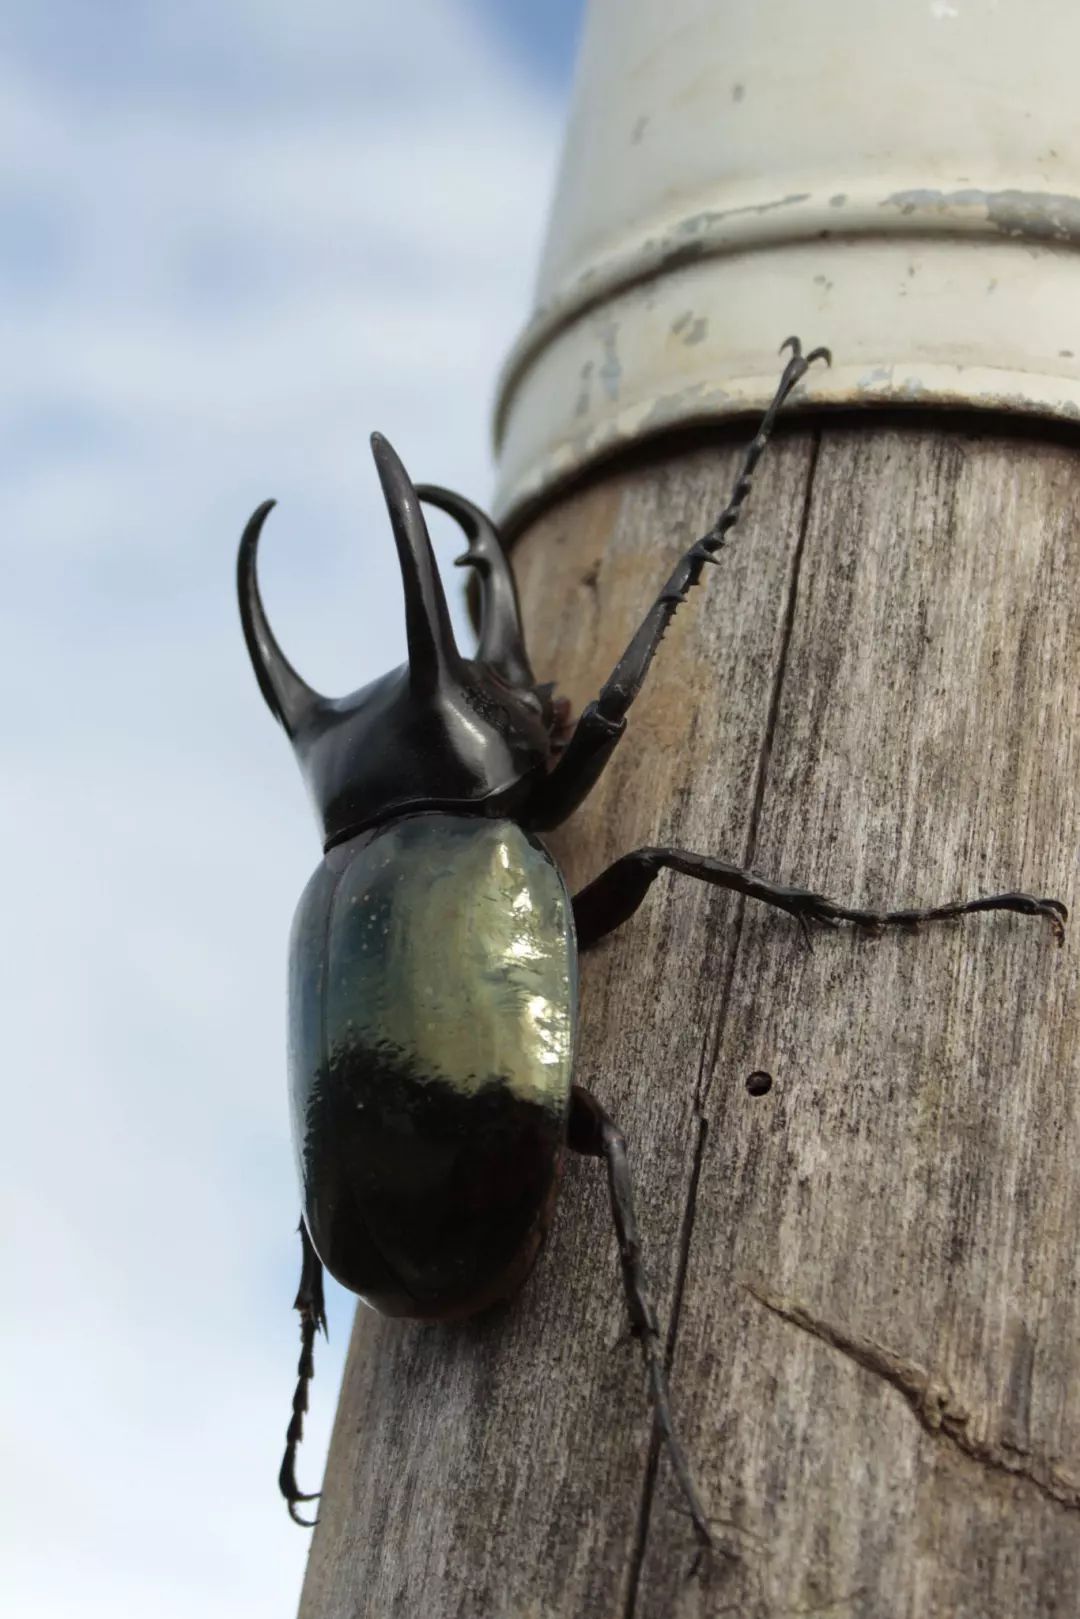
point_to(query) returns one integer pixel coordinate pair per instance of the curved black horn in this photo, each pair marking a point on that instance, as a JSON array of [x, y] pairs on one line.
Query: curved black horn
[[433, 655], [501, 643], [288, 697]]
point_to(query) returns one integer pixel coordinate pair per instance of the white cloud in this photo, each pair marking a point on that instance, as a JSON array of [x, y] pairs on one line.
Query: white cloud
[[228, 256]]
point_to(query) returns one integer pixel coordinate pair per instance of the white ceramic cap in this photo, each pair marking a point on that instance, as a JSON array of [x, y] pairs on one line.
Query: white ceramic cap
[[897, 179]]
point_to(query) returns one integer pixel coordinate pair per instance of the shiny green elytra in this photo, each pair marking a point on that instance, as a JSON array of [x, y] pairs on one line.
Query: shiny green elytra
[[432, 1006]]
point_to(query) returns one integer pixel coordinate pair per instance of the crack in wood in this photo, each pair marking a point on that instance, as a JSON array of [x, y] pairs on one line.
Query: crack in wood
[[936, 1407], [716, 1024], [715, 1032], [637, 1556]]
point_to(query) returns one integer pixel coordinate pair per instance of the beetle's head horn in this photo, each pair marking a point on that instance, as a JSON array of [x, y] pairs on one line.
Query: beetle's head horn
[[441, 730], [290, 699], [434, 660], [502, 641]]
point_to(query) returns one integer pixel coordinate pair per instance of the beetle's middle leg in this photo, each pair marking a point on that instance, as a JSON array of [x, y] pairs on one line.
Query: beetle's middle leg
[[603, 722], [616, 894], [590, 1131], [312, 1310]]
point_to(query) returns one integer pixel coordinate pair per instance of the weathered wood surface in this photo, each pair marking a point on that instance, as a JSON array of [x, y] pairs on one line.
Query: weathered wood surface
[[871, 1272]]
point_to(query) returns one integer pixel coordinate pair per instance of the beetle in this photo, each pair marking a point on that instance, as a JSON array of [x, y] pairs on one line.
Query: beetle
[[433, 958]]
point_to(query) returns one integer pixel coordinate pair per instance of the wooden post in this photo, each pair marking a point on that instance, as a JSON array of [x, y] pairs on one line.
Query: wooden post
[[858, 1165], [869, 1274]]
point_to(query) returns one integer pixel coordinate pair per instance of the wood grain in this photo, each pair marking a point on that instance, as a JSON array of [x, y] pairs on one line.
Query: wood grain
[[870, 1273]]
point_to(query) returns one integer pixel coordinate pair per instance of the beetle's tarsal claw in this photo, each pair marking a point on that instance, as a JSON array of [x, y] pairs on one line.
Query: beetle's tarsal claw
[[821, 353], [794, 345], [1057, 914], [305, 1523], [311, 1308], [706, 1540]]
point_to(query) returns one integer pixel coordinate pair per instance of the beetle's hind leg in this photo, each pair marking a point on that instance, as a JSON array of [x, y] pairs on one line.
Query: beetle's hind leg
[[593, 1133], [616, 894], [309, 1303]]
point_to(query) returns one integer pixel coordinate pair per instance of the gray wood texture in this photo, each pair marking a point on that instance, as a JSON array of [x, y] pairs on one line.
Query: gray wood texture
[[869, 1275]]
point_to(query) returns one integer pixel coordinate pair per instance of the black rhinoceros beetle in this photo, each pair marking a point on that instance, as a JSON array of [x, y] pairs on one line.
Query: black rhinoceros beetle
[[433, 963]]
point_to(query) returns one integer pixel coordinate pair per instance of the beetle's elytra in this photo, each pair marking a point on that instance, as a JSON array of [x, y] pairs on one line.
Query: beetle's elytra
[[432, 1007], [433, 976]]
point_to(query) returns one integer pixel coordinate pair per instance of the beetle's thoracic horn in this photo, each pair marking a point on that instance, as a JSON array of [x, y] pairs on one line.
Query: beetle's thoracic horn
[[434, 659], [290, 699], [501, 643]]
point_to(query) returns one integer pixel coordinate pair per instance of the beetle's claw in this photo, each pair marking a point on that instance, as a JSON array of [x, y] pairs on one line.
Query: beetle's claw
[[795, 345], [1057, 914], [305, 1523]]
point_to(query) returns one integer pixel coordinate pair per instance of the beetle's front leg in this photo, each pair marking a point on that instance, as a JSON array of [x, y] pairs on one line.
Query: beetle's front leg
[[603, 722], [590, 1131], [616, 894], [309, 1303]]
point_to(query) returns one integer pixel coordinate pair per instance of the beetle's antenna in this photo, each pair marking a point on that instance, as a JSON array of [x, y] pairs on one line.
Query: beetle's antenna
[[289, 698], [310, 1304], [434, 659], [502, 642]]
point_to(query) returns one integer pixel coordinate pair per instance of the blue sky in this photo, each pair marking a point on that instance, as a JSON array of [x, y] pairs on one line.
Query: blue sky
[[233, 239]]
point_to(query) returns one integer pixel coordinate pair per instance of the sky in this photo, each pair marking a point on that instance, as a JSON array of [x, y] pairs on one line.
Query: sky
[[235, 237]]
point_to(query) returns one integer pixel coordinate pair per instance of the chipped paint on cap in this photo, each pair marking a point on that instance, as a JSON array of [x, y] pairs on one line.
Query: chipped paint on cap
[[899, 182]]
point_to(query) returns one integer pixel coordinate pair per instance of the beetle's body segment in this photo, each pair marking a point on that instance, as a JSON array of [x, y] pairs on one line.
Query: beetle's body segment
[[433, 983], [432, 1008]]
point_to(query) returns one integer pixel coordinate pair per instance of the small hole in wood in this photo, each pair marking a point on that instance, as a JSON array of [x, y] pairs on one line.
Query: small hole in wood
[[759, 1083]]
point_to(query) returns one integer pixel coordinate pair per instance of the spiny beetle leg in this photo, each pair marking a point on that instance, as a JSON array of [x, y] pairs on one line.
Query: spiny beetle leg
[[603, 722], [616, 894], [592, 1133], [309, 1303]]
